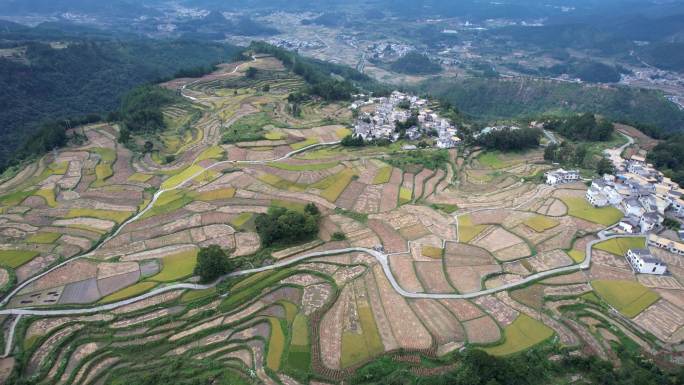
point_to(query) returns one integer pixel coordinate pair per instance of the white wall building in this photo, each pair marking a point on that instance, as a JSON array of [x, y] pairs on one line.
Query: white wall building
[[561, 176], [643, 262]]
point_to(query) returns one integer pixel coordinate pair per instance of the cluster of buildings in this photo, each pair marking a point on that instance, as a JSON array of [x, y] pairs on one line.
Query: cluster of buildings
[[644, 195], [294, 44], [388, 50], [491, 129], [381, 123]]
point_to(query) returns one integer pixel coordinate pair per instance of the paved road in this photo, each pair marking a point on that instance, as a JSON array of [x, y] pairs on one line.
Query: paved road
[[550, 136]]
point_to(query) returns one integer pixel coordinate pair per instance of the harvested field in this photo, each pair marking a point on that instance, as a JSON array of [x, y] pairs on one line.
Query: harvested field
[[404, 271], [391, 239], [663, 319], [460, 254], [482, 330], [503, 314], [433, 278], [468, 279], [444, 327], [532, 296]]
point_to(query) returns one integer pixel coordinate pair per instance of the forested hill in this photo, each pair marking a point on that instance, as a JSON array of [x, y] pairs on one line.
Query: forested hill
[[41, 81], [488, 99]]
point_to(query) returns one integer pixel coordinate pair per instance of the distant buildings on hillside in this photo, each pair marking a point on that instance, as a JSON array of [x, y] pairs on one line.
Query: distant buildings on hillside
[[400, 109]]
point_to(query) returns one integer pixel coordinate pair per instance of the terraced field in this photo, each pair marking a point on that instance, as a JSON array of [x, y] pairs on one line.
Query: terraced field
[[99, 246]]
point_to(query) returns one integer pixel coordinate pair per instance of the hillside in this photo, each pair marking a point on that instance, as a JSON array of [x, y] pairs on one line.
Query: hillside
[[84, 77], [486, 99]]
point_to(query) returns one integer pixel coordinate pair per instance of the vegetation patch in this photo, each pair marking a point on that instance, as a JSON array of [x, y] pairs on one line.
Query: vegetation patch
[[103, 170], [213, 152], [244, 292], [541, 223], [532, 296], [431, 159], [405, 195], [577, 255], [446, 208], [619, 246], [168, 202], [15, 198], [467, 231], [629, 297], [176, 266], [48, 195], [342, 132], [285, 226], [522, 334], [276, 344], [43, 238], [274, 135], [491, 159], [194, 295], [139, 177], [280, 183], [290, 205], [129, 292], [116, 216], [214, 195], [340, 182], [383, 176], [182, 176], [432, 252], [240, 221], [16, 258], [580, 208], [305, 143]]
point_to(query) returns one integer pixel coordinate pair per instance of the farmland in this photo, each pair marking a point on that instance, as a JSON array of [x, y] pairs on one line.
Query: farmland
[[450, 223]]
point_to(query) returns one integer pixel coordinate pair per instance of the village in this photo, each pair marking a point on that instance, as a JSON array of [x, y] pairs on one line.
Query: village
[[646, 198], [401, 116]]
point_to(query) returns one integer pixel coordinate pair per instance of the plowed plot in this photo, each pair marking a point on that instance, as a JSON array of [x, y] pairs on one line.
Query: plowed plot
[[431, 274], [406, 327], [482, 330], [431, 183], [489, 217], [390, 192], [468, 279], [460, 254], [330, 338], [441, 323], [663, 319], [419, 182], [391, 239], [404, 271], [499, 310], [659, 282], [369, 201], [381, 320], [506, 246], [462, 309], [348, 197], [414, 232], [549, 260]]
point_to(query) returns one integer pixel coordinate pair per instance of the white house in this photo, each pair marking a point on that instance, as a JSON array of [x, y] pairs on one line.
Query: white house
[[629, 224], [631, 206], [561, 176], [644, 262], [596, 198], [649, 221]]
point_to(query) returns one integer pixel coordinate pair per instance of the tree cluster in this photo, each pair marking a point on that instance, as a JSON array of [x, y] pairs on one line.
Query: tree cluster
[[212, 262], [141, 109], [414, 63], [510, 140], [284, 226], [668, 156], [584, 127]]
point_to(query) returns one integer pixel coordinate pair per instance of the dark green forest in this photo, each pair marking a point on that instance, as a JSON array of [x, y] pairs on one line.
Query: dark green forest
[[489, 99], [87, 77], [414, 63]]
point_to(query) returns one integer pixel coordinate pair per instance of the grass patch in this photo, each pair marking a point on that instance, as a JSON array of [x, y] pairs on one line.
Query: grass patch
[[243, 292], [48, 195], [342, 132], [168, 202], [619, 246], [290, 205], [58, 168], [305, 143], [103, 170], [580, 208], [116, 216], [467, 230], [129, 292], [541, 223], [176, 267], [491, 160], [522, 334], [193, 295], [299, 354], [359, 217], [405, 195], [274, 135], [276, 344], [320, 154], [16, 258], [629, 297], [383, 176], [432, 252], [342, 180], [239, 221], [179, 178], [446, 208], [577, 255], [139, 177], [213, 152], [43, 238], [15, 198], [214, 195], [304, 167], [280, 183]]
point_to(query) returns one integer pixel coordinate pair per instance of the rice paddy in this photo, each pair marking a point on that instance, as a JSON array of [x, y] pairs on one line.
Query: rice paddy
[[580, 208], [16, 258], [628, 297], [131, 291], [116, 216], [619, 246], [522, 334], [541, 223], [43, 238], [176, 267]]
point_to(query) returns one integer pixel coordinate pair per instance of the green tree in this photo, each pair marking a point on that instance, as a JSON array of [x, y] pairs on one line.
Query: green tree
[[251, 72], [605, 166], [212, 262]]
